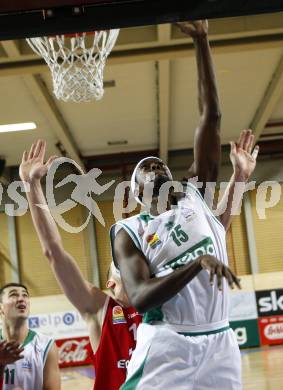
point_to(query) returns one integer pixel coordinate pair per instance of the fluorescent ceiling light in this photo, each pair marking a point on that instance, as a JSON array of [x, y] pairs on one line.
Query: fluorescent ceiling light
[[17, 127]]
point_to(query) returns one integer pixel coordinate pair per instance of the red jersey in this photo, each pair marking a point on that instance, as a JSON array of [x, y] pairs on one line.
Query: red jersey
[[117, 342]]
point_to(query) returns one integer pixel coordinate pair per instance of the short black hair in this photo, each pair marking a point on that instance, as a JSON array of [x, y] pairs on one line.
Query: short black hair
[[3, 288]]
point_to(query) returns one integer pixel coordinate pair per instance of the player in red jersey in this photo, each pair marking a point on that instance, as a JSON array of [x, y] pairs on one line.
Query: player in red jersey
[[111, 323], [117, 342]]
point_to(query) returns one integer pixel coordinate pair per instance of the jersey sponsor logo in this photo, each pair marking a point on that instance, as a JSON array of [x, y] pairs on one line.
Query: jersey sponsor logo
[[189, 214], [204, 247], [118, 315], [122, 363], [133, 315], [26, 365], [153, 240]]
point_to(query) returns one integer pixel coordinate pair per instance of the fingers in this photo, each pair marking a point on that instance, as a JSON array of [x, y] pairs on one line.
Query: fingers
[[215, 268], [251, 143], [232, 278], [39, 150], [25, 156], [18, 358], [42, 150], [211, 276], [12, 346], [229, 277], [221, 272], [241, 139], [237, 281], [233, 147], [31, 152], [219, 277], [10, 351], [255, 152], [247, 139]]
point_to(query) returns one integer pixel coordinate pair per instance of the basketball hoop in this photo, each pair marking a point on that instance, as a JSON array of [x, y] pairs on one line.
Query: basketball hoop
[[76, 62]]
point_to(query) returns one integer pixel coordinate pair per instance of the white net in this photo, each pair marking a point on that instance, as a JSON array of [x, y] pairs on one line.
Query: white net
[[76, 63]]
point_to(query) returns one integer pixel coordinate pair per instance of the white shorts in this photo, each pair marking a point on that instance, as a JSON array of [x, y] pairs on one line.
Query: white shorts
[[166, 360]]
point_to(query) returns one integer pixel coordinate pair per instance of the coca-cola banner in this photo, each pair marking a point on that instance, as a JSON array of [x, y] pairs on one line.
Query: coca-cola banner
[[74, 352], [271, 330], [59, 325]]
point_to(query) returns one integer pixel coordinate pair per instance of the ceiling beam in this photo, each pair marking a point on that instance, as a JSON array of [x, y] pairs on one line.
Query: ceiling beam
[[47, 105], [164, 107], [11, 48], [164, 32], [173, 51], [269, 101], [120, 13], [58, 126]]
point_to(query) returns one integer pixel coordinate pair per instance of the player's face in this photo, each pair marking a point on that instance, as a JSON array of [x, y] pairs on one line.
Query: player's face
[[15, 303], [152, 171], [117, 288]]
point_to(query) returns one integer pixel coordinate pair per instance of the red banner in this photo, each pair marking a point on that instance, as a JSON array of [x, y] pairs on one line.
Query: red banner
[[74, 352], [271, 330]]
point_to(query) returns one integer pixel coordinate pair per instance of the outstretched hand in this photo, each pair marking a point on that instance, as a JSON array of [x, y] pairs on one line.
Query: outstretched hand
[[197, 28], [32, 167], [10, 352], [219, 271], [243, 156]]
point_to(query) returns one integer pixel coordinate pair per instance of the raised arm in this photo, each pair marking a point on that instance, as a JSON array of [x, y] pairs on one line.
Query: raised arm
[[146, 292], [244, 162], [207, 147], [85, 297]]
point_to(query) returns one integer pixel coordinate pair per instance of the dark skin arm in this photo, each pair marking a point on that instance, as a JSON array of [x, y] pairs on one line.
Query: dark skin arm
[[207, 147], [145, 292], [10, 352]]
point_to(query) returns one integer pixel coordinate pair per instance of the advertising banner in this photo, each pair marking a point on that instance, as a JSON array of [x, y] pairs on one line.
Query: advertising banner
[[271, 330], [59, 325], [247, 333], [74, 352], [242, 306], [269, 302]]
